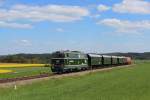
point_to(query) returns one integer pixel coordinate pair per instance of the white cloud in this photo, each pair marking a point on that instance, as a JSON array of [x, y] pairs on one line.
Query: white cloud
[[14, 25], [56, 13], [60, 30], [24, 42], [95, 16], [24, 13], [102, 8], [125, 26], [133, 6]]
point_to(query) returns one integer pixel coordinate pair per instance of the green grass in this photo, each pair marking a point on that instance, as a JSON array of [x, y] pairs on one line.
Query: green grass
[[132, 83], [24, 71]]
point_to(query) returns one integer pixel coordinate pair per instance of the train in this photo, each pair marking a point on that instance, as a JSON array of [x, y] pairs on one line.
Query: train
[[69, 61]]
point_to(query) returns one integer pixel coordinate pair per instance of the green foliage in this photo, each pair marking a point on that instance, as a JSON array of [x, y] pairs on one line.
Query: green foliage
[[131, 83]]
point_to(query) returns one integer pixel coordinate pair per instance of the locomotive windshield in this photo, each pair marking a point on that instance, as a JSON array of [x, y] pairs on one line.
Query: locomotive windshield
[[75, 55], [58, 55]]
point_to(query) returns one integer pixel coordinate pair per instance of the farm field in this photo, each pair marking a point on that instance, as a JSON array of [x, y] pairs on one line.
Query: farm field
[[20, 70], [130, 83], [10, 65]]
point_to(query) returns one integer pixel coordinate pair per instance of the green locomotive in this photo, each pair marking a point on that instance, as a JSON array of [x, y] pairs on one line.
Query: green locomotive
[[65, 61], [68, 61]]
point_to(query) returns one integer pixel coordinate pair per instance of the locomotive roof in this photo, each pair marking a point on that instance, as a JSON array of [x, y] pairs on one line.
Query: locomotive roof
[[67, 51]]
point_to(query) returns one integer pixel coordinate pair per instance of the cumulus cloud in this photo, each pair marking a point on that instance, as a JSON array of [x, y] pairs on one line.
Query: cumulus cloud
[[102, 8], [60, 30], [133, 6], [30, 14], [126, 26], [56, 13], [14, 25], [24, 42]]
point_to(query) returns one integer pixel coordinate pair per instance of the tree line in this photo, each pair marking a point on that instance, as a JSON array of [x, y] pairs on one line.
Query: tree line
[[46, 58], [26, 58], [137, 56]]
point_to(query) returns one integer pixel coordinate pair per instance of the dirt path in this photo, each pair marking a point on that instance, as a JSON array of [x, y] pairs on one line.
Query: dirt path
[[38, 79]]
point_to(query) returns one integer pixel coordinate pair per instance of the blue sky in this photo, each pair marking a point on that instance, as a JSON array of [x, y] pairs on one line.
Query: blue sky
[[43, 26]]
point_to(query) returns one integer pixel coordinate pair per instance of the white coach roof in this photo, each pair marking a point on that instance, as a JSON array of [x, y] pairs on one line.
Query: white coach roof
[[106, 56], [94, 55]]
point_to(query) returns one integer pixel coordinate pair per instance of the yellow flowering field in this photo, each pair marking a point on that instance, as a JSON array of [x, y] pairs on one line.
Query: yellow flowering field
[[5, 71], [9, 65]]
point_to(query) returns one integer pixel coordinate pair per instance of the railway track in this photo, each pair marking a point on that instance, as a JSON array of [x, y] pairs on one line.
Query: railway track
[[30, 79]]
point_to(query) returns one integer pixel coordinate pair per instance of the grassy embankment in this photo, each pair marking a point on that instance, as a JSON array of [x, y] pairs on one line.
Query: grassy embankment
[[131, 83]]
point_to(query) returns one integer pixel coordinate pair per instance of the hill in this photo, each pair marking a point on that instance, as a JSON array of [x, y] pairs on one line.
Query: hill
[[140, 56], [45, 58]]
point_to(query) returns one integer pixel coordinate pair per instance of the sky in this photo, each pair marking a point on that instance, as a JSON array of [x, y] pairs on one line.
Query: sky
[[99, 26]]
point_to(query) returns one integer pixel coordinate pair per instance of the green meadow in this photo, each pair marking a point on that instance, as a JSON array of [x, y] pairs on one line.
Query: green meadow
[[128, 83]]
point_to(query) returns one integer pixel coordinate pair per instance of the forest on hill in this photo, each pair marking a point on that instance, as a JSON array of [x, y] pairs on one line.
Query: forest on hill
[[26, 58], [139, 56], [46, 58]]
